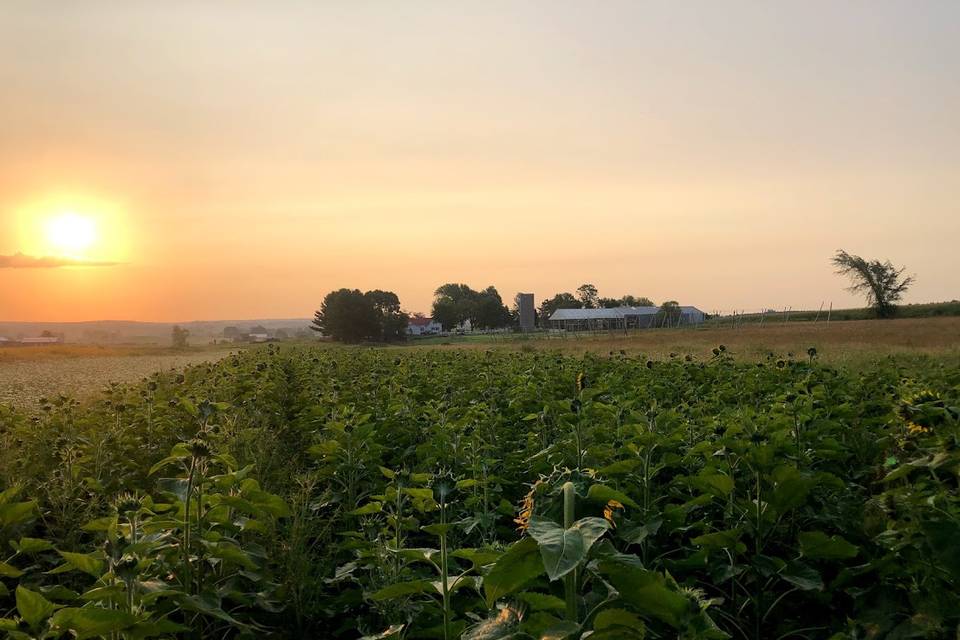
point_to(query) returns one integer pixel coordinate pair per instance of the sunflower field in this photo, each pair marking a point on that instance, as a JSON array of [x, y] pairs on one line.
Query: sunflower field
[[318, 492]]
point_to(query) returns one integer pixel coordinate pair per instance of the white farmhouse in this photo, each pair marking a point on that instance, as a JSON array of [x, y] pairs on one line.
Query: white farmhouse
[[421, 326]]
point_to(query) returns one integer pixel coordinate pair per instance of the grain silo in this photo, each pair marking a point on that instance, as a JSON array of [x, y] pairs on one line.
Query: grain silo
[[527, 313]]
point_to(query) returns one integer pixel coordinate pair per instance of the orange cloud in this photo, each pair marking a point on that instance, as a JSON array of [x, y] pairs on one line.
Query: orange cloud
[[23, 261]]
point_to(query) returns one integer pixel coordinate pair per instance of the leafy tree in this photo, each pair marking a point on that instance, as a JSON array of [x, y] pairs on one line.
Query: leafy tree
[[231, 333], [625, 301], [559, 301], [489, 312], [587, 294], [445, 312], [258, 329], [391, 320], [669, 313], [179, 336], [881, 282], [347, 315], [633, 301], [452, 304]]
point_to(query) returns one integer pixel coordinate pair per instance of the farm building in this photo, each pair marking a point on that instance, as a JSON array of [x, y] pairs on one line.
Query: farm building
[[421, 326], [621, 318], [528, 315], [42, 340]]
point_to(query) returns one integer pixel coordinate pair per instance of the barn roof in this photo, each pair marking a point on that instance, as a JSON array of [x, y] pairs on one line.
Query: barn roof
[[420, 322], [616, 313], [598, 314]]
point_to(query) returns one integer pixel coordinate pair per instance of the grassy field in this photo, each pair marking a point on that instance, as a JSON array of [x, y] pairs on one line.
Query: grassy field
[[921, 310], [29, 373], [68, 351], [838, 342]]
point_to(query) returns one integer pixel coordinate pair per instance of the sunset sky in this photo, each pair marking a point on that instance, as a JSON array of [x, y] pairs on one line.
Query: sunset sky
[[241, 159]]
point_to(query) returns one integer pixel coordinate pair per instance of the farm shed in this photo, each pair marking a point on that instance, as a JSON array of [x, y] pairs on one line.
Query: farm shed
[[620, 318], [691, 315], [42, 340]]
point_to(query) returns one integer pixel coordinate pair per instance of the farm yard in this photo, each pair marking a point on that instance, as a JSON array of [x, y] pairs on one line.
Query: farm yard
[[486, 492]]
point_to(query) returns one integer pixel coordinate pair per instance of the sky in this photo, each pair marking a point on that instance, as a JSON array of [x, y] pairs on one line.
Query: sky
[[241, 159]]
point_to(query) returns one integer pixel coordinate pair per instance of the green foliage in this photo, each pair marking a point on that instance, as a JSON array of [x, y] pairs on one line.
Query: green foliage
[[669, 313], [559, 301], [588, 297], [456, 304], [346, 493], [348, 315], [563, 550]]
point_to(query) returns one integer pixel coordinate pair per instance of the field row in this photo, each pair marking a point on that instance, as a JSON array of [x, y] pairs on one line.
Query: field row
[[300, 491]]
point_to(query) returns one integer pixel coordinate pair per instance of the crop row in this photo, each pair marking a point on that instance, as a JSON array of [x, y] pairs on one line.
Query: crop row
[[311, 491]]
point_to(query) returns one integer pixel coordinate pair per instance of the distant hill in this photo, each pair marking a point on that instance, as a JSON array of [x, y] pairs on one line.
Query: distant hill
[[130, 332]]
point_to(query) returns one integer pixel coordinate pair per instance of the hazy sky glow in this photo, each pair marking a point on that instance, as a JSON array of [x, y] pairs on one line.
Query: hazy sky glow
[[241, 159]]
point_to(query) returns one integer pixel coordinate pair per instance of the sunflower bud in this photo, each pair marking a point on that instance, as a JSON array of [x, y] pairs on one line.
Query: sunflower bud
[[126, 502], [199, 449]]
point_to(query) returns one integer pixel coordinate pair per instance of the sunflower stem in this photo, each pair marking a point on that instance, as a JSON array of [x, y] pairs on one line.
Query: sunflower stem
[[570, 580]]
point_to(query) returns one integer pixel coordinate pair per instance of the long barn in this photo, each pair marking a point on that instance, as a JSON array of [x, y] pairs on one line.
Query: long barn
[[621, 318]]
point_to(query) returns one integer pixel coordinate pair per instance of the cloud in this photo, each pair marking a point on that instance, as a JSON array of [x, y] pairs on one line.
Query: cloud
[[22, 261]]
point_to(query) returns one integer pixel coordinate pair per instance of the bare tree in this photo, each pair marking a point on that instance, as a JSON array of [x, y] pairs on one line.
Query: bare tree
[[881, 282]]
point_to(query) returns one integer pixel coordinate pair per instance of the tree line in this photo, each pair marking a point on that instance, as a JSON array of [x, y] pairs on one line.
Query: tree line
[[350, 315]]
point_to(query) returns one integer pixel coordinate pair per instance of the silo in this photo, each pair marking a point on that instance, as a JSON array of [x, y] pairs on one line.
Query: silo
[[527, 313]]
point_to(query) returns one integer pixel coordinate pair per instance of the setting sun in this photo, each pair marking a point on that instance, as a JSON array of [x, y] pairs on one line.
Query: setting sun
[[71, 234]]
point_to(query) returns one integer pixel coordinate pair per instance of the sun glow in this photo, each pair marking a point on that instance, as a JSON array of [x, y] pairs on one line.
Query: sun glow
[[71, 226], [71, 234]]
